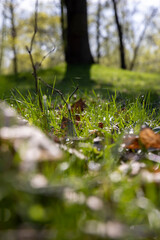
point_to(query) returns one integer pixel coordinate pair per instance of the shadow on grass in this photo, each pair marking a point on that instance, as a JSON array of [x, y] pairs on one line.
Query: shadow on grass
[[76, 75], [9, 83], [104, 81]]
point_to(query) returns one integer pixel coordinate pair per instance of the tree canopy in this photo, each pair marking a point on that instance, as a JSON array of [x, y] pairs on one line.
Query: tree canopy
[[115, 33]]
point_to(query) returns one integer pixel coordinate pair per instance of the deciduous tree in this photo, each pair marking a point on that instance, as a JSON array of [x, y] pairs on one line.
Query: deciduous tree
[[77, 49]]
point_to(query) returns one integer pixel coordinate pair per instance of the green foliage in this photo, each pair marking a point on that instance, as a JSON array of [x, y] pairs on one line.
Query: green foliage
[[47, 37]]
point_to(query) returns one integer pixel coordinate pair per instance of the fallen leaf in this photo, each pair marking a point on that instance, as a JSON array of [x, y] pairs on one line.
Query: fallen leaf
[[77, 117], [78, 106], [77, 120], [131, 141], [149, 139], [100, 125]]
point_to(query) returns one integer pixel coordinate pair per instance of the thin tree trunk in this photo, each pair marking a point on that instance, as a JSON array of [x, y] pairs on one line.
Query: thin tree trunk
[[120, 36], [135, 54], [98, 30], [14, 36], [2, 39]]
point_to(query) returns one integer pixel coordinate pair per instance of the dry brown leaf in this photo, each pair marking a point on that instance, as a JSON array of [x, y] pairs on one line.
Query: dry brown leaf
[[149, 139], [131, 142], [77, 117], [78, 106], [100, 125]]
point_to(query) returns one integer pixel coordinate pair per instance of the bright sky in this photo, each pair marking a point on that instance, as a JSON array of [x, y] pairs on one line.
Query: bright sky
[[27, 6]]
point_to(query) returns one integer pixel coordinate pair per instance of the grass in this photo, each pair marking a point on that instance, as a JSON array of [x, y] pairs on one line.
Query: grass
[[102, 79], [86, 195]]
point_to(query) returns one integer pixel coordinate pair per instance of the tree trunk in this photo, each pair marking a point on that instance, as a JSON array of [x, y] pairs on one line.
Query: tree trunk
[[98, 30], [63, 27], [14, 36], [77, 42], [2, 39], [120, 36], [147, 23]]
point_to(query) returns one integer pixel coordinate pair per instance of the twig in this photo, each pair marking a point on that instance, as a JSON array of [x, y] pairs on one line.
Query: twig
[[45, 56], [75, 90], [61, 94], [55, 90], [58, 91], [35, 77], [49, 86], [29, 50], [35, 25]]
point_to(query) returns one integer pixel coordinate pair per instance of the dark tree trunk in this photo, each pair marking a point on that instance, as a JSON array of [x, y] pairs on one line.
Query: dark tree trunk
[[77, 43], [120, 35], [14, 36], [98, 30], [63, 27]]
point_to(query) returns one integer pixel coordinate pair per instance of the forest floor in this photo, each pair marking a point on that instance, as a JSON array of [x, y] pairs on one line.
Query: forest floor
[[100, 78], [107, 184]]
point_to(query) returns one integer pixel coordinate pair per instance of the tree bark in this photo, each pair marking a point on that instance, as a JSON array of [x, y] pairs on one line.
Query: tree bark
[[120, 36], [14, 36], [98, 30], [2, 39], [77, 42], [63, 27]]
